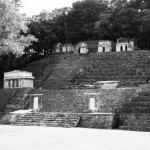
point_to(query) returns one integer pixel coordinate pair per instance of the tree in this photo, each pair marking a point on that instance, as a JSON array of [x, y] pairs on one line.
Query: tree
[[12, 23], [83, 17], [43, 31]]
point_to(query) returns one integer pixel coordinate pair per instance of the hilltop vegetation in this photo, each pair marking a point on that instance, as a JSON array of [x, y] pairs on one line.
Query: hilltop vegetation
[[91, 20]]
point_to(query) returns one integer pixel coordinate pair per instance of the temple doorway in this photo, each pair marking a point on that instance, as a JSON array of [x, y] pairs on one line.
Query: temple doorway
[[36, 101]]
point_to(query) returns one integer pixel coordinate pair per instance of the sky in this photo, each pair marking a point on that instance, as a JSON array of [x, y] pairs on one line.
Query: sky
[[34, 7]]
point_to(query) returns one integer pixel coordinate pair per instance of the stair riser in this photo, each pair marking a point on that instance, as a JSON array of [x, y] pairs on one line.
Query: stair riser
[[45, 120], [137, 105], [135, 116], [136, 123], [134, 128], [135, 110]]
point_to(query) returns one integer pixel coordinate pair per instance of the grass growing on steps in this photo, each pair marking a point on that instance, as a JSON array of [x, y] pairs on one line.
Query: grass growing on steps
[[62, 71], [122, 66]]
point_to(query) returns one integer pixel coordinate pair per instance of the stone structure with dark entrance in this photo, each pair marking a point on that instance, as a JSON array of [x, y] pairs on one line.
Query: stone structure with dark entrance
[[18, 79]]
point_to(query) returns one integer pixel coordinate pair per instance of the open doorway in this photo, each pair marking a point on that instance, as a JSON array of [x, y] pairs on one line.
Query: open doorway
[[103, 49], [92, 104], [121, 48]]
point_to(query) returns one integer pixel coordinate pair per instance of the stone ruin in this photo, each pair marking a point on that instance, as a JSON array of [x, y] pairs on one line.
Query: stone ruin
[[82, 48], [106, 46], [18, 79], [67, 48], [57, 48], [124, 44]]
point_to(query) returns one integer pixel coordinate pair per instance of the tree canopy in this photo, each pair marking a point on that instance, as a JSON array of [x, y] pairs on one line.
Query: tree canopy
[[12, 23], [92, 20]]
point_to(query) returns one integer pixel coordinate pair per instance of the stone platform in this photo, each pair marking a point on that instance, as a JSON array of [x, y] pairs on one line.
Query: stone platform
[[85, 120]]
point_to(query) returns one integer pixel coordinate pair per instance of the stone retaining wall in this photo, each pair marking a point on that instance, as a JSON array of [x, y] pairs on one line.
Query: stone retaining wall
[[77, 101], [88, 120]]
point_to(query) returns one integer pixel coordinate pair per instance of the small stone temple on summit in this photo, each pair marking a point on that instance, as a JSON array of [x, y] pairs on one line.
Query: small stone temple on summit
[[67, 48], [57, 48], [18, 79], [124, 44], [106, 46], [82, 48]]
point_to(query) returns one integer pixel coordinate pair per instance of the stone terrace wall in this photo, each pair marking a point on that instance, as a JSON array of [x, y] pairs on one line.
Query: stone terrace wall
[[5, 97], [75, 101], [88, 120]]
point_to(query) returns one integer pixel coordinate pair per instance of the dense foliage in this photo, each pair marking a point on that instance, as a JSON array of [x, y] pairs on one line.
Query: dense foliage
[[12, 23], [14, 36], [92, 20]]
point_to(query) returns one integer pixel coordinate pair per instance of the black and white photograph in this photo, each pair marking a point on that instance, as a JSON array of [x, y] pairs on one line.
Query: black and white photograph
[[74, 74]]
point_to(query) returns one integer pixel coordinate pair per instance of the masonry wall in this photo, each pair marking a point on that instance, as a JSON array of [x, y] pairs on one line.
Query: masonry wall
[[5, 97], [27, 83], [76, 101]]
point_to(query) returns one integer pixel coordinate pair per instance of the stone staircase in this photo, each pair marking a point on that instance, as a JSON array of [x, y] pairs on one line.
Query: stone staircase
[[61, 75], [129, 68], [47, 119], [30, 119], [135, 115], [62, 121], [65, 71]]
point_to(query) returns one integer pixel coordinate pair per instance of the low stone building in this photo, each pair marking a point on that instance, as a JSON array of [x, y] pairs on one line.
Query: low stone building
[[82, 48], [57, 48], [67, 48], [18, 79], [124, 44], [106, 46]]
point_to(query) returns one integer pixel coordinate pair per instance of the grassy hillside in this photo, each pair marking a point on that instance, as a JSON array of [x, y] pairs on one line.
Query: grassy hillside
[[63, 71], [55, 71], [130, 68]]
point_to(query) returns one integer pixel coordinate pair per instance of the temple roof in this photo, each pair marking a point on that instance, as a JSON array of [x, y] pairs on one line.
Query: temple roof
[[18, 74]]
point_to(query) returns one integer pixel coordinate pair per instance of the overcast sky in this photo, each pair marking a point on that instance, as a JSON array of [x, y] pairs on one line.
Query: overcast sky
[[34, 7]]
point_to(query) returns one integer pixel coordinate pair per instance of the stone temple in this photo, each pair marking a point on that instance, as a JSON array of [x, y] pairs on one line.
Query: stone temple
[[106, 46], [124, 44], [82, 48], [18, 79], [67, 48]]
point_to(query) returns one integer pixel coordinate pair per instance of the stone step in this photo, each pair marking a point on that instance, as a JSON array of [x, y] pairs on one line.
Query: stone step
[[133, 128], [40, 119], [137, 104], [66, 120], [141, 99], [27, 124], [145, 94], [136, 122], [60, 125], [36, 117], [31, 117], [61, 121], [24, 121], [134, 110], [66, 126], [133, 116], [48, 119], [71, 123], [130, 81]]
